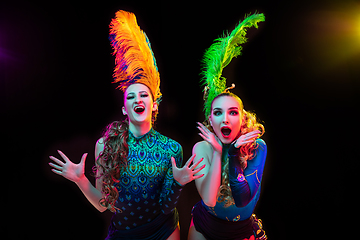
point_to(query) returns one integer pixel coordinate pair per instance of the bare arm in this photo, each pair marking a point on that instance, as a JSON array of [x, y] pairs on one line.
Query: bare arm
[[75, 173], [209, 184], [210, 150], [93, 194]]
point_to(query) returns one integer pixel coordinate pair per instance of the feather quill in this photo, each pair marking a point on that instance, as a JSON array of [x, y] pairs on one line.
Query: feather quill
[[134, 58], [220, 54]]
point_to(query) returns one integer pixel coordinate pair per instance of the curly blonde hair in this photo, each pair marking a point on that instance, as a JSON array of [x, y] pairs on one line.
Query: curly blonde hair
[[247, 151]]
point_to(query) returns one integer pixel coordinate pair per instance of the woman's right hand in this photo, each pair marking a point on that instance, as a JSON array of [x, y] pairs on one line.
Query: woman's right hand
[[69, 170], [210, 138]]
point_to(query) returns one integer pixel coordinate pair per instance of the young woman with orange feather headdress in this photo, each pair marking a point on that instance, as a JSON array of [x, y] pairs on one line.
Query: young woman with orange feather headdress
[[138, 174]]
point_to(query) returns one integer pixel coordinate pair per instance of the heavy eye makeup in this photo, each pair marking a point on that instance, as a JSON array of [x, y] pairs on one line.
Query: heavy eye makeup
[[130, 96], [217, 112], [144, 94], [233, 111]]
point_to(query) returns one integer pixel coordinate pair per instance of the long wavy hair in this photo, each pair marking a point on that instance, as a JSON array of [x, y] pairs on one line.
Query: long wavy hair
[[113, 160], [247, 151]]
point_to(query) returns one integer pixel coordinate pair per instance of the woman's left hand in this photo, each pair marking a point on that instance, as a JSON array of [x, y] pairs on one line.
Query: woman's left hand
[[186, 174], [246, 138]]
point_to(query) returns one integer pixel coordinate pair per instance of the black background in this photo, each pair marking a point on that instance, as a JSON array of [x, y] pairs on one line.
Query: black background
[[299, 72]]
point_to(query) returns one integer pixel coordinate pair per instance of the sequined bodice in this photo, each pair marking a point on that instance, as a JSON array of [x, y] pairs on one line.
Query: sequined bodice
[[147, 187]]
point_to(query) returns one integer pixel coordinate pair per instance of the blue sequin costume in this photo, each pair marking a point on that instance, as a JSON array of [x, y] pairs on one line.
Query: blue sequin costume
[[251, 177], [147, 188]]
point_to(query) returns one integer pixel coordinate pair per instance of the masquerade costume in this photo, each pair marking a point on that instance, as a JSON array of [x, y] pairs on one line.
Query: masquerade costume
[[234, 221], [148, 193]]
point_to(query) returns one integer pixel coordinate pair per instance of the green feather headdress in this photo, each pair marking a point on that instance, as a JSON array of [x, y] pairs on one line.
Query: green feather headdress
[[219, 55]]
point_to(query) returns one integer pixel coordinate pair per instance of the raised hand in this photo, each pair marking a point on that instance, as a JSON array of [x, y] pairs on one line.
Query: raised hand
[[246, 138], [186, 174], [210, 138], [69, 170]]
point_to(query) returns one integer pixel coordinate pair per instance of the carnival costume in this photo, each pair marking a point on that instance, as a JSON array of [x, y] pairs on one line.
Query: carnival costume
[[235, 221], [148, 193]]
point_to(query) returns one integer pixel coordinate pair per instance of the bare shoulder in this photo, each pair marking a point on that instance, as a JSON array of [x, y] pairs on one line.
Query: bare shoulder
[[100, 141], [99, 147], [203, 149], [202, 146]]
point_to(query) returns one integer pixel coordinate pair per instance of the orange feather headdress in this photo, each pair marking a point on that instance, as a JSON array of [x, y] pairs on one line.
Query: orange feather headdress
[[134, 58]]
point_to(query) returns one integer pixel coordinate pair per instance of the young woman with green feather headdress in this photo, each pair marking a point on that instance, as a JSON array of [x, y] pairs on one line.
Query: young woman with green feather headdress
[[232, 150]]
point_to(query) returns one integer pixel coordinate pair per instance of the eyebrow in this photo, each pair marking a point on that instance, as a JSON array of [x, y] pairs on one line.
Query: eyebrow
[[231, 108], [139, 92]]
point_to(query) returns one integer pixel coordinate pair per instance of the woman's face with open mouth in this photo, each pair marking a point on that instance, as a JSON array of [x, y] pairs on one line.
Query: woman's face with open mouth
[[138, 103], [226, 118]]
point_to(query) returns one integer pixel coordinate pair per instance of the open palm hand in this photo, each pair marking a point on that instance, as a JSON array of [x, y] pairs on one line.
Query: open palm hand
[[186, 174], [210, 137], [69, 170], [246, 138]]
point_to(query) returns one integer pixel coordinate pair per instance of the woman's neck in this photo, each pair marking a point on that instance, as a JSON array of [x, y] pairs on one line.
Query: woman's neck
[[141, 129], [225, 149]]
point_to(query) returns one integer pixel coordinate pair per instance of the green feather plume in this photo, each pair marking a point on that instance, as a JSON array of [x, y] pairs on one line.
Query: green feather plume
[[220, 54]]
